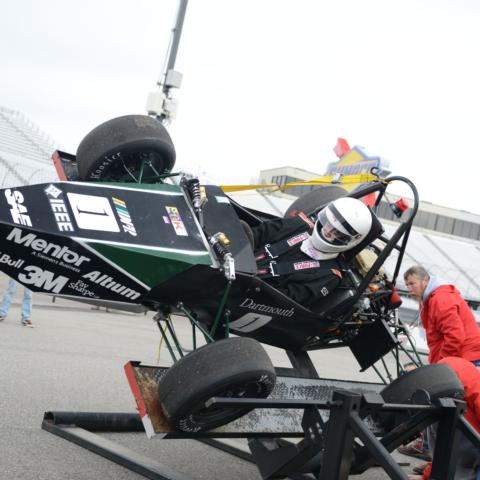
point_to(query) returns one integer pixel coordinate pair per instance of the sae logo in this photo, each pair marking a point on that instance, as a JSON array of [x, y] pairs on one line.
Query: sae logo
[[18, 210]]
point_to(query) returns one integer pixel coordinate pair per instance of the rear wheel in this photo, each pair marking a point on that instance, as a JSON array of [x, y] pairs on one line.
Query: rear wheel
[[438, 380], [132, 148], [233, 367]]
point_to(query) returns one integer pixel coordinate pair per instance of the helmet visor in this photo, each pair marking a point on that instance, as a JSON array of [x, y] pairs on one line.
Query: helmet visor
[[334, 231]]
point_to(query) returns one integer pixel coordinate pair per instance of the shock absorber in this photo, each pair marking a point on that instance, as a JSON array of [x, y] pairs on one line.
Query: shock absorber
[[220, 242], [197, 193]]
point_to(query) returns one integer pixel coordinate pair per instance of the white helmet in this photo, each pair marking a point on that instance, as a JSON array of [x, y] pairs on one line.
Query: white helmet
[[341, 225]]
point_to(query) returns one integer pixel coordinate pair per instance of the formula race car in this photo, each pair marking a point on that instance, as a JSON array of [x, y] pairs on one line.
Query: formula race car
[[122, 230]]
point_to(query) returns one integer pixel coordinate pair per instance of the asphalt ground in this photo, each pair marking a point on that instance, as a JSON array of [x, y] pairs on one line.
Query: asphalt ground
[[73, 361]]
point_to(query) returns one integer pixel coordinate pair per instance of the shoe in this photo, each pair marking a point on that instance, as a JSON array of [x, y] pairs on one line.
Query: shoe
[[27, 323], [2, 318], [419, 469], [415, 449]]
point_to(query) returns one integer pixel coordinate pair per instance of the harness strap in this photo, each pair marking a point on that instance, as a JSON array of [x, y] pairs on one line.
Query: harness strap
[[276, 269], [278, 248]]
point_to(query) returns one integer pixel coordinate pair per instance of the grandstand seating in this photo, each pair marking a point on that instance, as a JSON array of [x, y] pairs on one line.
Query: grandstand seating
[[25, 151]]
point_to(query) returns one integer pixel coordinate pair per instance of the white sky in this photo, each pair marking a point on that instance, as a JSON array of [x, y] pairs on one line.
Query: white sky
[[267, 83]]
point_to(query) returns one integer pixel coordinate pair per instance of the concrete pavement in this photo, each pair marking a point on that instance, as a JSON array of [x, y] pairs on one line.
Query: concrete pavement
[[73, 360]]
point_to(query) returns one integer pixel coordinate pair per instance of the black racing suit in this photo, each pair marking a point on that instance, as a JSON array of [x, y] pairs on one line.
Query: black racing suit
[[308, 286]]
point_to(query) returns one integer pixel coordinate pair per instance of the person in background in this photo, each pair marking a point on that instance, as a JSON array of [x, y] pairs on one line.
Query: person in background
[[26, 303], [450, 326], [449, 323], [468, 460]]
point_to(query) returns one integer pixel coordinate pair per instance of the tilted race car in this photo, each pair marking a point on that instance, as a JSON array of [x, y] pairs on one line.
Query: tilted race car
[[122, 230]]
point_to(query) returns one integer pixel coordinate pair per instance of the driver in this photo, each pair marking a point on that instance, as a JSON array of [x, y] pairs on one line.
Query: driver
[[299, 256]]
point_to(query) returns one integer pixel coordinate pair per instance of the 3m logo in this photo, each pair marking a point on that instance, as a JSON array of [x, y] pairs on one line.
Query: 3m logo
[[18, 210], [42, 279], [93, 213]]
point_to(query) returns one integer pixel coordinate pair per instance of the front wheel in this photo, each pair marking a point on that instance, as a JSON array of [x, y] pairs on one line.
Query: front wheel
[[437, 379], [232, 367]]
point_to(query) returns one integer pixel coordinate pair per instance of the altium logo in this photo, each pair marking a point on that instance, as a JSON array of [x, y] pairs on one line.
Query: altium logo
[[123, 213]]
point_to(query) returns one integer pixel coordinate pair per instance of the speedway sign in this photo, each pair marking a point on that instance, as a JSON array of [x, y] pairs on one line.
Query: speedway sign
[[355, 161]]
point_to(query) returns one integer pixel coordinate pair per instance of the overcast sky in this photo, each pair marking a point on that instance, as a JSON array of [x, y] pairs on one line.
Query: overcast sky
[[267, 83]]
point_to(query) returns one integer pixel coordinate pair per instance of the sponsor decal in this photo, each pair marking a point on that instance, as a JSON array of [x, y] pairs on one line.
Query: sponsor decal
[[297, 239], [250, 322], [324, 291], [176, 220], [41, 248], [166, 219], [59, 209], [222, 199], [18, 210], [93, 213], [10, 262], [82, 288], [107, 161], [305, 265], [124, 215], [260, 307], [108, 282], [44, 279]]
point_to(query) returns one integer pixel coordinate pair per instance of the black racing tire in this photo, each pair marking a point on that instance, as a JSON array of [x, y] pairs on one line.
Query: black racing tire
[[314, 200], [438, 380], [116, 150], [232, 367]]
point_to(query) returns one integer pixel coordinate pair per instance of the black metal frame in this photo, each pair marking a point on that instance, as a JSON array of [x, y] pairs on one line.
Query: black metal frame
[[327, 449], [275, 457]]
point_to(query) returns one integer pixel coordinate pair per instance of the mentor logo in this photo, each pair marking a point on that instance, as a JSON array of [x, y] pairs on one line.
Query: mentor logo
[[18, 210], [39, 245]]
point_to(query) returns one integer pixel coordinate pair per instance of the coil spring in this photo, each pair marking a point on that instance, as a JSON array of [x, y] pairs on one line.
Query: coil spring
[[193, 186], [220, 250]]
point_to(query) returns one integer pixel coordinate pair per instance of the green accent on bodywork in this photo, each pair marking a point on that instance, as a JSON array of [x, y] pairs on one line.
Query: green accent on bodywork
[[151, 267], [162, 187]]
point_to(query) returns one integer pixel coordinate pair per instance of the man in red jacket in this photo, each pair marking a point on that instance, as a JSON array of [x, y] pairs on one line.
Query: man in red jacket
[[468, 460], [448, 321]]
